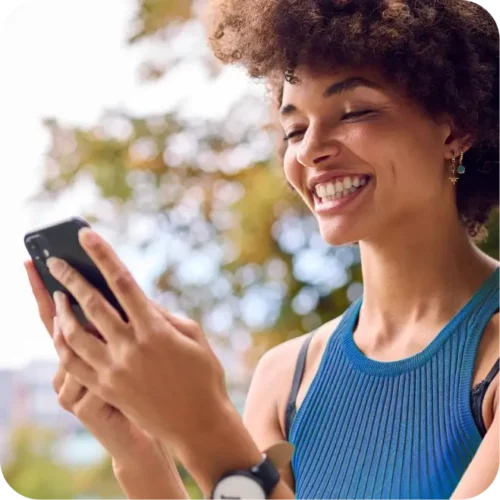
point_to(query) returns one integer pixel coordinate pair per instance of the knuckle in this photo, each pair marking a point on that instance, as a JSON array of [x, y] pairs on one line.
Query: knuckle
[[100, 253], [131, 358], [58, 344], [92, 303], [106, 387], [66, 358], [123, 280], [63, 402], [68, 275], [57, 383], [192, 325], [71, 334], [119, 370], [80, 411]]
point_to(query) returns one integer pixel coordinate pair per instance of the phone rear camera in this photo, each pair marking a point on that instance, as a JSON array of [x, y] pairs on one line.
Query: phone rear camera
[[38, 247]]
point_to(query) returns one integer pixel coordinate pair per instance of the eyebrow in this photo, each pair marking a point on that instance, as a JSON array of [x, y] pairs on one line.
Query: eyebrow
[[336, 89]]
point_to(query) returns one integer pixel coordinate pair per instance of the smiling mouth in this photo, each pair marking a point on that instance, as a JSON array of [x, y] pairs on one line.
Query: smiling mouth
[[326, 204], [340, 188]]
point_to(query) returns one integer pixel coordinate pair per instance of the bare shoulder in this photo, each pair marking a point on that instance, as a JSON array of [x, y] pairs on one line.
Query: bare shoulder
[[277, 366], [272, 379], [264, 414]]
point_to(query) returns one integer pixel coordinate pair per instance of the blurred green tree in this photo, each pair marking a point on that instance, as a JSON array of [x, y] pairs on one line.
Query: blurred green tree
[[30, 472]]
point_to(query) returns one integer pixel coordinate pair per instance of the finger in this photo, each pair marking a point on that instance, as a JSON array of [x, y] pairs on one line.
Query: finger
[[71, 392], [58, 380], [128, 293], [89, 406], [46, 308], [74, 365], [97, 309], [186, 326], [86, 346]]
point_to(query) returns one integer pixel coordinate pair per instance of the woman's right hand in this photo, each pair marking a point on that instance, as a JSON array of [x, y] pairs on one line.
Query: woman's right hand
[[130, 447]]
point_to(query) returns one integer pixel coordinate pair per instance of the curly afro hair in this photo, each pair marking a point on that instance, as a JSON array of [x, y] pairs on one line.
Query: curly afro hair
[[442, 53]]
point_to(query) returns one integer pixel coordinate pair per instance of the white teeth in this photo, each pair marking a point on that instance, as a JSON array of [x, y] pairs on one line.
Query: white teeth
[[339, 188], [321, 191]]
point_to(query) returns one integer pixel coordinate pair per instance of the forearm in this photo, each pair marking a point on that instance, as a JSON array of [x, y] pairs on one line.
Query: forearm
[[149, 477], [226, 446]]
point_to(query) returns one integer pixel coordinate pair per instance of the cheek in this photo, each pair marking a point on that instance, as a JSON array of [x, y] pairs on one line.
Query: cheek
[[292, 169]]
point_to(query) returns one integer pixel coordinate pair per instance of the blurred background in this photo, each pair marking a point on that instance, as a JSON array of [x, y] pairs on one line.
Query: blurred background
[[116, 111]]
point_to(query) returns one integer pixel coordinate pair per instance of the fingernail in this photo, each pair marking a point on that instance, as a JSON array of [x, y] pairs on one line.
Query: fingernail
[[55, 265], [88, 237]]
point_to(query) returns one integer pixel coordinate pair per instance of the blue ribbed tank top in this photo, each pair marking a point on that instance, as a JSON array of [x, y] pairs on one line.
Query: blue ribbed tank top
[[402, 429]]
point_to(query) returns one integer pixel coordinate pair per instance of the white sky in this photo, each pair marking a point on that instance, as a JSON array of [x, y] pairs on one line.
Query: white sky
[[67, 59]]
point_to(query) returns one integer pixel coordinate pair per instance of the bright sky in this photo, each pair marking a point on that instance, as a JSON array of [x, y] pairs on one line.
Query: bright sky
[[68, 60]]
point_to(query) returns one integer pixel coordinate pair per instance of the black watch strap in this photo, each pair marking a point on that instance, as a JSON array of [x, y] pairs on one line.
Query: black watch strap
[[266, 473], [264, 477]]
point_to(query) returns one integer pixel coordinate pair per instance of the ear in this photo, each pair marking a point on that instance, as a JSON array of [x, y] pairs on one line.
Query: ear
[[457, 143], [455, 139]]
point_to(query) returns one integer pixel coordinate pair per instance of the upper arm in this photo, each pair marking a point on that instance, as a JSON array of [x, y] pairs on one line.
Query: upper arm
[[260, 415]]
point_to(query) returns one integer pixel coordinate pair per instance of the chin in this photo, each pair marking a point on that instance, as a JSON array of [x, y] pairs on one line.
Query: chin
[[338, 235]]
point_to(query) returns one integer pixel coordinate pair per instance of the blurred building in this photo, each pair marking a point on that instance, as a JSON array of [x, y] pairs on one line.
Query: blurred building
[[6, 400], [34, 400], [28, 398]]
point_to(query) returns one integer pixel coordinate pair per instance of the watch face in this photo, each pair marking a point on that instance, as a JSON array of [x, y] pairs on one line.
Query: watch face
[[239, 486]]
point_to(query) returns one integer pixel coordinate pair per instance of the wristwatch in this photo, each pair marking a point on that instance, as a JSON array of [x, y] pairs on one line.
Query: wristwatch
[[256, 483]]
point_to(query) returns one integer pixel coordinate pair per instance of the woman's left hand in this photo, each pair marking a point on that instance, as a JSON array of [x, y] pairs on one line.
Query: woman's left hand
[[156, 368]]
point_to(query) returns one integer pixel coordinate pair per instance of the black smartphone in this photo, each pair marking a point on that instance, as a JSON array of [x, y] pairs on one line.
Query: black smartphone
[[61, 240]]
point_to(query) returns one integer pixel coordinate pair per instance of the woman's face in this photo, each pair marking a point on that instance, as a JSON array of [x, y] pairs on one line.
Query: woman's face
[[381, 159]]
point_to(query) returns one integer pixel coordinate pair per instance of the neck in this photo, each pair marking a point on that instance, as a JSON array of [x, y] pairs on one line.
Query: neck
[[422, 273]]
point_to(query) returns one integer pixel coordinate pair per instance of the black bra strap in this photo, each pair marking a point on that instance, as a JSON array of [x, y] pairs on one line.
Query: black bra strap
[[493, 372], [297, 379]]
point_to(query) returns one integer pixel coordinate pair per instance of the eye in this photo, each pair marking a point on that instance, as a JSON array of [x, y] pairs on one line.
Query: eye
[[292, 134], [353, 114]]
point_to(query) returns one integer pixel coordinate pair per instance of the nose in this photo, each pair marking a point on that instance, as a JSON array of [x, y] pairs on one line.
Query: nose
[[315, 149]]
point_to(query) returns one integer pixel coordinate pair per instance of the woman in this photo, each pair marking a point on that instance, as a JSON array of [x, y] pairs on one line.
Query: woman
[[400, 100], [390, 116]]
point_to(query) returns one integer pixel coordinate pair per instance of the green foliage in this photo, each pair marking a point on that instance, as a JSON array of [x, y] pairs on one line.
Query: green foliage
[[32, 473], [154, 16], [490, 246]]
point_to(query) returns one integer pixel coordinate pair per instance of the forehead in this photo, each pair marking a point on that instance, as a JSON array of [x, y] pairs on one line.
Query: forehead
[[318, 85], [314, 82]]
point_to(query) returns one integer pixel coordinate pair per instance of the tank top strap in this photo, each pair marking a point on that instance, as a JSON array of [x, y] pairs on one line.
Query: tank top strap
[[481, 315], [492, 373]]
